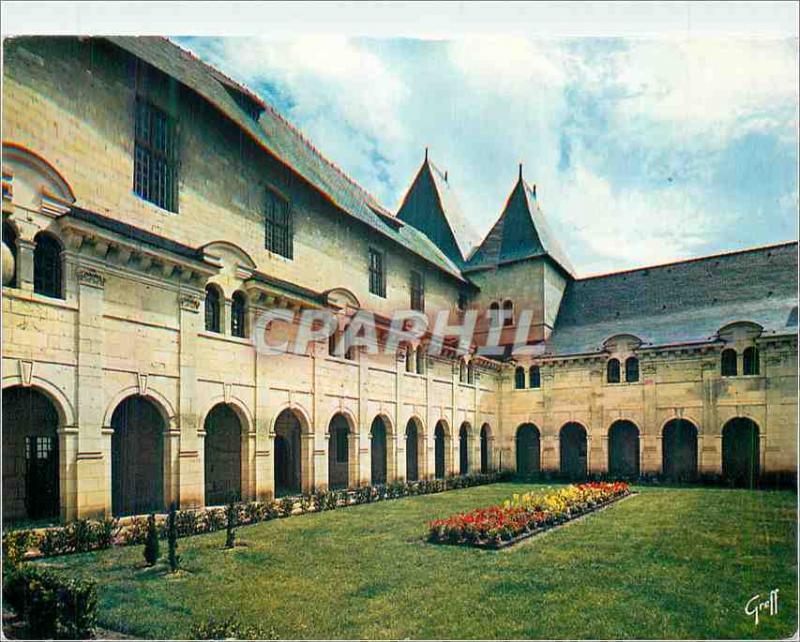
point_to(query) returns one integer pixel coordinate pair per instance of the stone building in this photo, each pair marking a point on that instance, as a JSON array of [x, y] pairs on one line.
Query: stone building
[[153, 208]]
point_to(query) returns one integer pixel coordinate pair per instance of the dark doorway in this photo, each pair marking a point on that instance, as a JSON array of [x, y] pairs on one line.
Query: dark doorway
[[412, 451], [287, 454], [223, 455], [679, 450], [30, 456], [485, 459], [378, 457], [528, 450], [440, 440], [623, 450], [338, 452], [574, 464], [137, 458], [740, 452], [463, 449]]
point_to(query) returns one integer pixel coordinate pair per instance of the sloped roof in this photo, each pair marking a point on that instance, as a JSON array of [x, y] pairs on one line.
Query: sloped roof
[[520, 233], [682, 302], [431, 205], [273, 133]]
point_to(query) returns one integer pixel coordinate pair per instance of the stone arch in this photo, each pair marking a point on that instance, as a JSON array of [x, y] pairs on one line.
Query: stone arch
[[138, 456], [225, 453], [289, 450], [573, 450], [32, 456], [486, 440], [415, 447], [528, 449], [741, 452], [342, 449], [464, 448], [623, 449], [442, 448], [66, 414], [679, 449], [161, 403], [381, 436], [41, 177]]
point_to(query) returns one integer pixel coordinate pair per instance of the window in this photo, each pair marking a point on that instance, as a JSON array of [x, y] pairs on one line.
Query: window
[[462, 372], [47, 266], [519, 378], [10, 240], [278, 232], [420, 360], [494, 313], [535, 377], [508, 313], [470, 373], [212, 309], [417, 291], [612, 371], [409, 359], [631, 369], [332, 339], [39, 447], [377, 276], [155, 167], [750, 361], [728, 363], [238, 308]]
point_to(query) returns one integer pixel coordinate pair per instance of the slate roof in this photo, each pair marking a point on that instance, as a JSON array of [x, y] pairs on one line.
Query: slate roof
[[431, 205], [682, 302], [273, 133], [520, 233]]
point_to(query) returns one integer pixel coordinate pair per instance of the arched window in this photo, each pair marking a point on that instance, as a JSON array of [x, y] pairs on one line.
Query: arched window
[[462, 371], [10, 241], [535, 377], [631, 369], [508, 312], [47, 266], [409, 359], [494, 313], [238, 308], [420, 360], [519, 378], [470, 373], [612, 371], [212, 309], [750, 361], [728, 363]]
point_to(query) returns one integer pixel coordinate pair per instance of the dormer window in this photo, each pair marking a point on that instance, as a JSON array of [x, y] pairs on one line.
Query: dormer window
[[535, 377], [728, 363], [750, 361], [508, 313], [631, 369], [612, 371], [155, 167], [519, 378]]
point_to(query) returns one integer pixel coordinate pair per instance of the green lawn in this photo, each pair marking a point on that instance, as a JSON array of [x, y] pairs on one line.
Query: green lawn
[[667, 563]]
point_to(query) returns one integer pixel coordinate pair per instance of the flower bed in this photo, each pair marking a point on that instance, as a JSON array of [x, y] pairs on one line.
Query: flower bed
[[87, 535], [525, 515]]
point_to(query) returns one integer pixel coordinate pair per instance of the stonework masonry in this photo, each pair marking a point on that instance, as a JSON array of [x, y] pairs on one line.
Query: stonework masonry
[[129, 325]]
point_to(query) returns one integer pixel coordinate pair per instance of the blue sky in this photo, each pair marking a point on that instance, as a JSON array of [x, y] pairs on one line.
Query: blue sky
[[643, 151]]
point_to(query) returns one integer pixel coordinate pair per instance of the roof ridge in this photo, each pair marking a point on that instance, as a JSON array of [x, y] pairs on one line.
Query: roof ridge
[[695, 259]]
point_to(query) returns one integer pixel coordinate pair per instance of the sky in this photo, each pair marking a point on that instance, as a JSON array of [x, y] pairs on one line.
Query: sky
[[643, 151]]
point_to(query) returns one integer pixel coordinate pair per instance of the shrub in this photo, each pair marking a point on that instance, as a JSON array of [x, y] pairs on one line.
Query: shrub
[[231, 515], [54, 541], [186, 523], [229, 628], [287, 506], [172, 539], [15, 545], [52, 606], [151, 545]]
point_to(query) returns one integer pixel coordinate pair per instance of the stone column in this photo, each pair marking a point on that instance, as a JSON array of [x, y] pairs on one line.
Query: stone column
[[399, 427], [263, 440], [709, 448], [24, 267], [185, 484]]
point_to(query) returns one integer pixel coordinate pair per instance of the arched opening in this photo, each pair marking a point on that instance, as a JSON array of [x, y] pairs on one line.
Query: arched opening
[[47, 269], [494, 313], [223, 455], [471, 373], [238, 315], [612, 371], [485, 454], [9, 255], [728, 363], [519, 378], [413, 437], [508, 313], [441, 448], [528, 450], [30, 456], [573, 451], [750, 361], [288, 460], [212, 309], [535, 377], [338, 452], [462, 371], [379, 453], [740, 452], [420, 360], [463, 449], [409, 359], [631, 369], [623, 449], [679, 450], [137, 458]]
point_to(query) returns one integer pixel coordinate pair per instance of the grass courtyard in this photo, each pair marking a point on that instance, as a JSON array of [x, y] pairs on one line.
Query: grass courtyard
[[666, 563]]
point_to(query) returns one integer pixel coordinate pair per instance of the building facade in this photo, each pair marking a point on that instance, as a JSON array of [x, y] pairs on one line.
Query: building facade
[[153, 209]]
